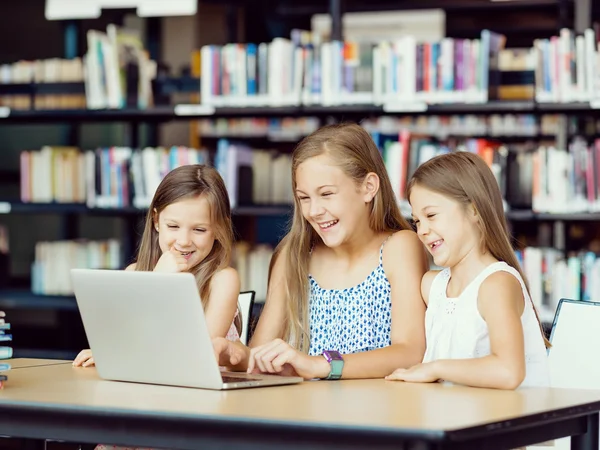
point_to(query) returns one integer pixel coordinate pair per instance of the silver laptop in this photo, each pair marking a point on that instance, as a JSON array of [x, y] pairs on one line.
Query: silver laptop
[[149, 327]]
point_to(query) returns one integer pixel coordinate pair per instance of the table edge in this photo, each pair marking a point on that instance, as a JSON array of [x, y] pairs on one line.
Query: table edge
[[97, 414]]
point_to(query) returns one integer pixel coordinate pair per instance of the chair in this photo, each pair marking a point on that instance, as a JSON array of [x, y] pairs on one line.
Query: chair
[[572, 358], [245, 304]]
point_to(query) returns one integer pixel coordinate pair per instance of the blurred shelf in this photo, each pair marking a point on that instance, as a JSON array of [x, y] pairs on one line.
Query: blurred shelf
[[267, 210], [571, 217], [44, 353], [462, 6], [62, 208], [25, 299], [491, 107], [519, 215], [9, 176], [189, 112], [42, 88], [161, 86], [77, 208], [251, 210], [564, 107], [156, 114], [528, 215], [173, 85]]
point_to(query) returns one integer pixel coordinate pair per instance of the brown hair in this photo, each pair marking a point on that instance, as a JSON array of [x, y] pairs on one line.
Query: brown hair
[[352, 148], [184, 182], [467, 179]]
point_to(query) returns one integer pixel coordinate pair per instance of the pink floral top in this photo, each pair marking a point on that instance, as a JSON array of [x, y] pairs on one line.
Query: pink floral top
[[232, 334]]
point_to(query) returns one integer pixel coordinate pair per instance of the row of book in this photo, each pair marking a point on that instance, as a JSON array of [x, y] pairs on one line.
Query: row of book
[[51, 268], [303, 70], [274, 129], [542, 178], [402, 73], [252, 264], [43, 101], [50, 272], [42, 71], [6, 351], [439, 126], [119, 177], [405, 71], [254, 176], [403, 153], [567, 67], [553, 275], [113, 177], [442, 127], [118, 69], [51, 70], [566, 181]]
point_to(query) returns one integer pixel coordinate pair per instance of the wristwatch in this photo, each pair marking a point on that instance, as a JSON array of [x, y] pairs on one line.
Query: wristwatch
[[336, 362]]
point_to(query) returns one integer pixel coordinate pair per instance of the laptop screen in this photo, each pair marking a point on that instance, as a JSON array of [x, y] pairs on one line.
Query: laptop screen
[[574, 342]]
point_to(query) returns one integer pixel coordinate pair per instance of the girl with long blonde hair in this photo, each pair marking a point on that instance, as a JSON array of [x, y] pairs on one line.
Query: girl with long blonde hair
[[344, 290]]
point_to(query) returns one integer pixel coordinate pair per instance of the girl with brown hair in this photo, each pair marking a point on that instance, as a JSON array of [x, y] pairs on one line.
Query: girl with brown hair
[[481, 326], [188, 228]]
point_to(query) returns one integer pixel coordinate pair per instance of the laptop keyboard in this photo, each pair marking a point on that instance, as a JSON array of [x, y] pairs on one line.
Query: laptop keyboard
[[228, 379]]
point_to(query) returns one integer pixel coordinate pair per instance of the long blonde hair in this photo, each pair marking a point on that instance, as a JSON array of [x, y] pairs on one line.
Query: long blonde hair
[[191, 181], [353, 150], [467, 179]]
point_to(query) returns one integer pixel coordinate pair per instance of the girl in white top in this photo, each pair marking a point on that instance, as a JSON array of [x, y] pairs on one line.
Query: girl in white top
[[481, 326]]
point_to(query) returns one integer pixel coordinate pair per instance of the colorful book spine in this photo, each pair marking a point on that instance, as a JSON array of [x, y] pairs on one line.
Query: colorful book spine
[[6, 352]]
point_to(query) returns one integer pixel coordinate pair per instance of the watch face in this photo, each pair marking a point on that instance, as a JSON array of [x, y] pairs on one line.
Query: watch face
[[334, 355]]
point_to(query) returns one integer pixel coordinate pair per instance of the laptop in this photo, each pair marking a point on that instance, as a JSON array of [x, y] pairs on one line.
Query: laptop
[[574, 342], [149, 327]]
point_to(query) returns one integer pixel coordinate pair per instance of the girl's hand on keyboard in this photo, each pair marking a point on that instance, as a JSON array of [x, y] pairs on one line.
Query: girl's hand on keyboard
[[278, 357]]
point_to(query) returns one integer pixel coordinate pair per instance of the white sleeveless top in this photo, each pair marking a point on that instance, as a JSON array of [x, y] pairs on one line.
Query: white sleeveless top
[[455, 329]]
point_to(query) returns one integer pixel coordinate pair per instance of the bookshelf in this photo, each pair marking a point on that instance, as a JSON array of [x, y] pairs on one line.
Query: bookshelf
[[25, 299], [161, 114], [77, 208], [164, 112]]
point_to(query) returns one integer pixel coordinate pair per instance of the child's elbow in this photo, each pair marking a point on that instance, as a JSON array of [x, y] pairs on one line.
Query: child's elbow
[[512, 379]]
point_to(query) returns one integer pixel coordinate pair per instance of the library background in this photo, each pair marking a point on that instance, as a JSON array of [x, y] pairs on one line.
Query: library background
[[95, 109]]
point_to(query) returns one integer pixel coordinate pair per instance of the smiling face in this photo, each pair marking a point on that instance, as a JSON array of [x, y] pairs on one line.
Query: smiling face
[[334, 205], [186, 226], [445, 226]]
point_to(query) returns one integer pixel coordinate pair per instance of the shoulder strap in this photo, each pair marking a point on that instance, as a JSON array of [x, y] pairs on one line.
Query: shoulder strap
[[381, 250]]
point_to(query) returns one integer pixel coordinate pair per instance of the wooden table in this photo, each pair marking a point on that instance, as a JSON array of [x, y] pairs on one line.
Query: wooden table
[[73, 404]]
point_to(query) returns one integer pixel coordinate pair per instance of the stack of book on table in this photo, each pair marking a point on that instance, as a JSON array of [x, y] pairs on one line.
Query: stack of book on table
[[5, 350]]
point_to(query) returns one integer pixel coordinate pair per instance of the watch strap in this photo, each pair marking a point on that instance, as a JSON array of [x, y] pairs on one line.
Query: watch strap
[[336, 362]]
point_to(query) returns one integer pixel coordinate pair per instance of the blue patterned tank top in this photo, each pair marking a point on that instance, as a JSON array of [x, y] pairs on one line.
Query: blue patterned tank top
[[351, 320]]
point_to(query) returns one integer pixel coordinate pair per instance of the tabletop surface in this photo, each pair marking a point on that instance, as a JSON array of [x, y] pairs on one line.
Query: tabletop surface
[[353, 404]]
